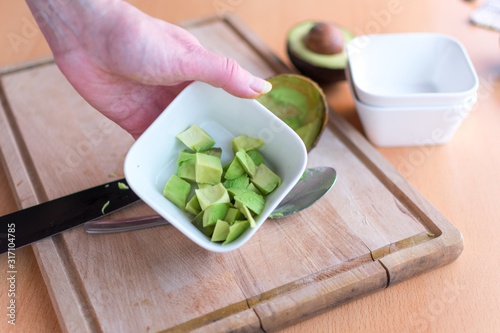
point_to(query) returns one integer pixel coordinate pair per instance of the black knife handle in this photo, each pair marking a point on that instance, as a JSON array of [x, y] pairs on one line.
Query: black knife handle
[[52, 217]]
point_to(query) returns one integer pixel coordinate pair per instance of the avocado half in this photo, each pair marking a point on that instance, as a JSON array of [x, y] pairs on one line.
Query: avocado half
[[300, 103], [322, 68]]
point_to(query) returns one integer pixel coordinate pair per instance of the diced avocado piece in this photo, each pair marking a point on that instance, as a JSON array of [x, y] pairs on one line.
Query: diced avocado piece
[[235, 191], [235, 230], [214, 213], [252, 188], [177, 191], [246, 212], [193, 206], [232, 215], [184, 156], [221, 231], [204, 185], [246, 162], [256, 156], [186, 168], [255, 202], [235, 169], [208, 169], [238, 182], [246, 143], [252, 200], [265, 179], [217, 152], [196, 139], [198, 223], [211, 195]]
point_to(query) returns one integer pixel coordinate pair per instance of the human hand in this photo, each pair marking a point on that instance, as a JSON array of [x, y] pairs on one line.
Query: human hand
[[130, 66]]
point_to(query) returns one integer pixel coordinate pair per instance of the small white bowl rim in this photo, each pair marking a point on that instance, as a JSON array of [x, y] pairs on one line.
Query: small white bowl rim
[[472, 90]]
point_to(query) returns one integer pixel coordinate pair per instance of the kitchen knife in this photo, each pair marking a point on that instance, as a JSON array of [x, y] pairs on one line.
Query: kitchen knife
[[52, 217]]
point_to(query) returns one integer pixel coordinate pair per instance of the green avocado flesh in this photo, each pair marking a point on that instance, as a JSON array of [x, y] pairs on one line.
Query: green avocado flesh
[[225, 200], [298, 48], [177, 190], [300, 103]]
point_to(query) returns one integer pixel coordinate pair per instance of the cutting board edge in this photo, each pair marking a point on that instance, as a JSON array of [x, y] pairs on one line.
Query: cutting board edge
[[23, 65], [72, 314], [278, 309], [292, 308], [412, 261]]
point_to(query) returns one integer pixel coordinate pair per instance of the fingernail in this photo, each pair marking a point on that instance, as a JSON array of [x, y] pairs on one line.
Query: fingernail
[[260, 86]]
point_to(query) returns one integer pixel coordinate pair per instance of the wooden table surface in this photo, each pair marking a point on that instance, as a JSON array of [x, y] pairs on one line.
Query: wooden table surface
[[459, 178]]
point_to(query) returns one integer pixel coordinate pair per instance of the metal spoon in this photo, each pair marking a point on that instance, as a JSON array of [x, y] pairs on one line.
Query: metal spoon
[[314, 184]]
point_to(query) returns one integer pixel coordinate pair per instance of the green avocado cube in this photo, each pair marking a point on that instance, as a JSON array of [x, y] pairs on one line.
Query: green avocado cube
[[186, 166], [238, 182], [235, 230], [208, 169], [265, 179], [210, 195], [252, 188], [256, 156], [255, 202], [214, 213], [196, 139], [217, 152], [246, 162], [221, 231], [246, 212], [198, 223], [177, 191], [246, 143], [193, 206], [234, 169], [232, 215], [185, 155]]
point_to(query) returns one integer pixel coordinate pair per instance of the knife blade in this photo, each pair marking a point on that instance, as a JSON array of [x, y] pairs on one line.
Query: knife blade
[[55, 216]]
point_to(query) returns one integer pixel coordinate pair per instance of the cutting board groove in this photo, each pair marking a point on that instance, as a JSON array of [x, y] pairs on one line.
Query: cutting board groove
[[371, 231]]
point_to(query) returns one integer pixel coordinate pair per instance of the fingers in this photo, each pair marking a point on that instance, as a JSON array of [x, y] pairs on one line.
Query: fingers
[[222, 72]]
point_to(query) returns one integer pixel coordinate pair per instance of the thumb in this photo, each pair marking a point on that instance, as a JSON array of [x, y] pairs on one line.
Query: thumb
[[224, 73]]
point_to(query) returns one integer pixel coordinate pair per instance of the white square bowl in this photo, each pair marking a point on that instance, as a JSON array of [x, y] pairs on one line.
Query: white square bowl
[[411, 69], [152, 158], [397, 126]]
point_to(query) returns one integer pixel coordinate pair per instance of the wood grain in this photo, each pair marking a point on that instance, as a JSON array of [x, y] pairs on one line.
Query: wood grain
[[292, 269]]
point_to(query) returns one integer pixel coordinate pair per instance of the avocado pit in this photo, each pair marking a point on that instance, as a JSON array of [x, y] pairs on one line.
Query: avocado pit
[[318, 50], [324, 38]]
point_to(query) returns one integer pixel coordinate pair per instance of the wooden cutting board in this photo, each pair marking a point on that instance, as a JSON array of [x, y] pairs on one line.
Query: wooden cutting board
[[372, 230]]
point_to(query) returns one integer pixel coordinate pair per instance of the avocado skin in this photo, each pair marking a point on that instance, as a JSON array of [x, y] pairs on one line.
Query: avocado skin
[[319, 74]]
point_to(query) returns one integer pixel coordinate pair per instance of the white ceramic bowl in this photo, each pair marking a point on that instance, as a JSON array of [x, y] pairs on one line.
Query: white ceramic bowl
[[411, 69], [152, 158], [409, 125]]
